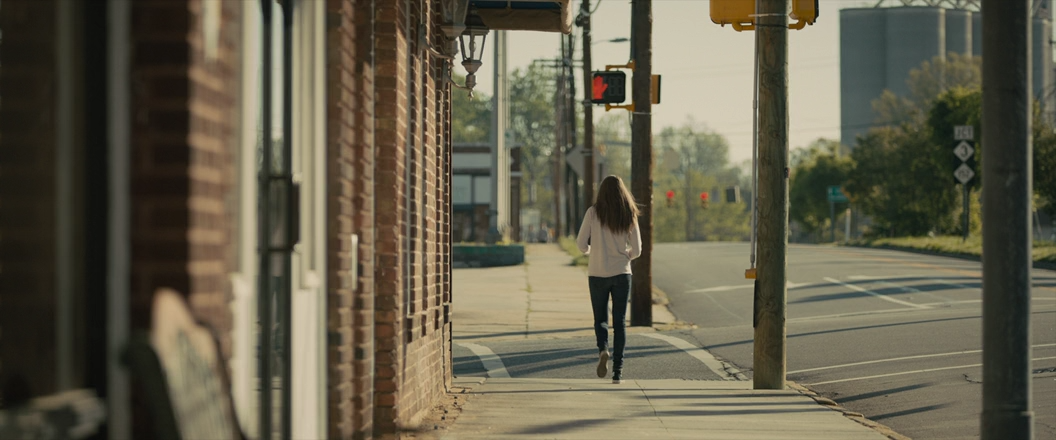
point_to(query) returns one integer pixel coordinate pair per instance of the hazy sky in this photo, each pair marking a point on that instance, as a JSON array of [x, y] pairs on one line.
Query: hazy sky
[[707, 69]]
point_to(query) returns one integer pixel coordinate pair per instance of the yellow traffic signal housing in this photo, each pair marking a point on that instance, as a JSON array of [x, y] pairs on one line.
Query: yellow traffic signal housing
[[737, 13], [804, 12], [740, 14]]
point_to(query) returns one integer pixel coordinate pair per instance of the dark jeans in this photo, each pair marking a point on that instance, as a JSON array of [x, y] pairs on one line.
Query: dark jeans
[[619, 287]]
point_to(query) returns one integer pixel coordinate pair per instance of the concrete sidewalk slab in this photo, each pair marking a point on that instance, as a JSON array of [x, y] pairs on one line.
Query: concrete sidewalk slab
[[668, 409], [548, 298]]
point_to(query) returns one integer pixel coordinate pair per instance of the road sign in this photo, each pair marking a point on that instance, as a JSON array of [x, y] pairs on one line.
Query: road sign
[[835, 194], [963, 133], [963, 151], [964, 173], [574, 158]]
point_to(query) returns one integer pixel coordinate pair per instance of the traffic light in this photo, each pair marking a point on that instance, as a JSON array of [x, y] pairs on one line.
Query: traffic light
[[733, 194], [704, 200], [804, 12], [734, 12], [608, 87], [670, 198], [741, 13]]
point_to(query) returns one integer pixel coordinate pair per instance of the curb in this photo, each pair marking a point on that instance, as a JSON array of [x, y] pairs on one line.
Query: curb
[[660, 298], [1036, 265], [856, 416]]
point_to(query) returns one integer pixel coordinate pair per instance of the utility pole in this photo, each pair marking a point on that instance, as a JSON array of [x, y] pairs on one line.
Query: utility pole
[[559, 148], [772, 52], [572, 188], [642, 158], [588, 109], [1007, 412], [498, 204]]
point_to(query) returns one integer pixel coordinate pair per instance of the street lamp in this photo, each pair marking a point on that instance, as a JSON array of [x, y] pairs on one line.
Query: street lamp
[[471, 59]]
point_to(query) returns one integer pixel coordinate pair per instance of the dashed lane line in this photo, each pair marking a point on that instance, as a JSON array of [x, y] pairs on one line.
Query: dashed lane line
[[723, 369], [492, 363], [904, 358], [870, 292], [927, 370]]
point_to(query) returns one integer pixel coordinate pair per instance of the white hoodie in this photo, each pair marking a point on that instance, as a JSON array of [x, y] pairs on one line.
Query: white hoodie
[[610, 253]]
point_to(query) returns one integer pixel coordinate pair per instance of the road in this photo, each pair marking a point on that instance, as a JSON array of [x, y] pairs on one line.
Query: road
[[896, 336]]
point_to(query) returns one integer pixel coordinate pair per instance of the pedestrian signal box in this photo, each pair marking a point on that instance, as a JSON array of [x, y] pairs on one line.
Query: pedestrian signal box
[[740, 14], [608, 87]]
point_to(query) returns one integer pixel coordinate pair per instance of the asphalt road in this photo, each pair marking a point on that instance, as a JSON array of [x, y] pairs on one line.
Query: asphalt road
[[896, 336]]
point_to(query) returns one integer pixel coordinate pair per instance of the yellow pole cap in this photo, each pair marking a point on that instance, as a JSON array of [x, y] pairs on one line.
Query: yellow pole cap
[[749, 273]]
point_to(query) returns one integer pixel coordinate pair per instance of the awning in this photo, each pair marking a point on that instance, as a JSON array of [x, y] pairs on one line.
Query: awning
[[525, 15]]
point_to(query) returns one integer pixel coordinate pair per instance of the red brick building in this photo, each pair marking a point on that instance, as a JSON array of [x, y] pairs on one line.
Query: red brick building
[[285, 165]]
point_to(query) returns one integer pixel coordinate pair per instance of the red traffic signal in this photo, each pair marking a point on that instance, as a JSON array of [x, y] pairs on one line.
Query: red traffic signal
[[704, 196], [670, 194], [608, 87]]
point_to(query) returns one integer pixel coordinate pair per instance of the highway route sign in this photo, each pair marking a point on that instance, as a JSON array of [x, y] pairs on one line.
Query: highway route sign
[[963, 151], [963, 133], [964, 173], [835, 194]]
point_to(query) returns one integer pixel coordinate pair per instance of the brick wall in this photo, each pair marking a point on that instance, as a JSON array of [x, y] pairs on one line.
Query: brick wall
[[412, 335], [350, 158], [183, 141], [27, 196], [364, 223]]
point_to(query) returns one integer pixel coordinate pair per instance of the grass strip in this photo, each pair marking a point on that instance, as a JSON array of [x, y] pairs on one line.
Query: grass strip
[[569, 245], [1043, 251]]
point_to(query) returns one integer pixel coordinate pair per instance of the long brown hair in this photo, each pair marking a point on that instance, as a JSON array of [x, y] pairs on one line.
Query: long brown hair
[[615, 206]]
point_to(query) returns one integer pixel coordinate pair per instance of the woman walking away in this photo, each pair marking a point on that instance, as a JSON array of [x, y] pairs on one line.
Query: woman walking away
[[609, 235]]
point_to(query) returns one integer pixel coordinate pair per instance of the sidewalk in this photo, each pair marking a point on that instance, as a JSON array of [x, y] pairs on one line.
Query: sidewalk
[[546, 299]]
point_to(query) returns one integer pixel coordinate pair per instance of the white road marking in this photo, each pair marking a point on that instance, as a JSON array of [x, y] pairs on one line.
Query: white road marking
[[883, 297], [788, 284], [845, 315], [721, 288], [492, 362], [724, 370], [923, 356], [927, 370]]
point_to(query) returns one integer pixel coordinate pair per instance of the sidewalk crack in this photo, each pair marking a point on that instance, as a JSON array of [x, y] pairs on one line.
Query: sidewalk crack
[[651, 406]]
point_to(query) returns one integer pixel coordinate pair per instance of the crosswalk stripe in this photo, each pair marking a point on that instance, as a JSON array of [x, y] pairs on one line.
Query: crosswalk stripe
[[492, 362]]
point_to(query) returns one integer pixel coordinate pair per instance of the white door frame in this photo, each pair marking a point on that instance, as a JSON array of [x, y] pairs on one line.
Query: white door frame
[[308, 326]]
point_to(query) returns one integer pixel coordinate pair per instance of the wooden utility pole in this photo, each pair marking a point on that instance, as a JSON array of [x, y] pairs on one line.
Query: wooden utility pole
[[560, 133], [588, 109], [1007, 411], [642, 159], [572, 183], [772, 52]]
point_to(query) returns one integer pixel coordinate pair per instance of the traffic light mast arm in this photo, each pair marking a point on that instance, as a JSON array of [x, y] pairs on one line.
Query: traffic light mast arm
[[629, 65]]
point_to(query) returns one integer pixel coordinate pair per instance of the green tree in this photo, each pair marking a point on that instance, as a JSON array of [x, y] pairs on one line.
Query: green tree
[[533, 128], [1044, 163], [926, 83], [693, 159], [821, 165]]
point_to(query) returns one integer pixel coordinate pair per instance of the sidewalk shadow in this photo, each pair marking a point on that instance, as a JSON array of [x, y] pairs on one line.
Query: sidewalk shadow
[[523, 333]]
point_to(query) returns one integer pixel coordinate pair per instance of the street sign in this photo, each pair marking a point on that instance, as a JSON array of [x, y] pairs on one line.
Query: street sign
[[964, 173], [835, 194], [963, 151], [963, 133], [574, 158]]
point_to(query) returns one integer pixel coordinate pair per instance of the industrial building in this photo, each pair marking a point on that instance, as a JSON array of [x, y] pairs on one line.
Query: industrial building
[[879, 46]]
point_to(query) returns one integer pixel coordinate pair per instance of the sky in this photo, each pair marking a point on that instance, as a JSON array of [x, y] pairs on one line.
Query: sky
[[706, 69]]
